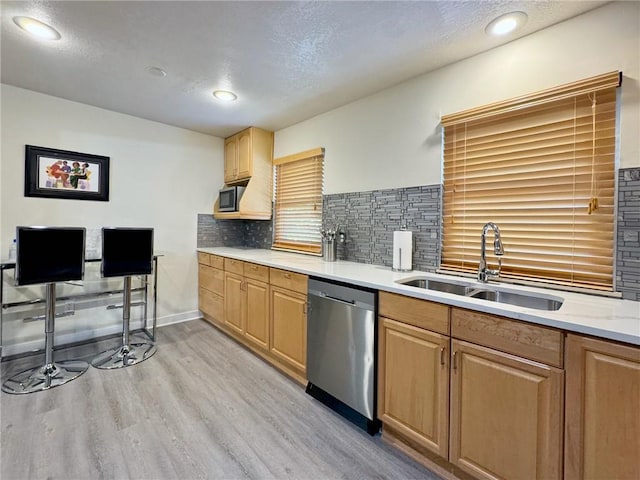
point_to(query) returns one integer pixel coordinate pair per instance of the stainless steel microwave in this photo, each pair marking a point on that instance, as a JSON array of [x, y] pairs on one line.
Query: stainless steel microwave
[[229, 198]]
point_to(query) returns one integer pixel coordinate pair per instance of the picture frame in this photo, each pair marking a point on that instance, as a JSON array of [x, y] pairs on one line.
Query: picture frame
[[53, 173]]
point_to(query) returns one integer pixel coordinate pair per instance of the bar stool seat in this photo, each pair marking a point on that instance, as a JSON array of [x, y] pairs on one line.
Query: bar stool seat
[[36, 264], [126, 252]]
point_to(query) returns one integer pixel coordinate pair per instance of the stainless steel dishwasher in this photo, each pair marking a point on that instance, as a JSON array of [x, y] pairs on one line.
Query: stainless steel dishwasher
[[341, 350]]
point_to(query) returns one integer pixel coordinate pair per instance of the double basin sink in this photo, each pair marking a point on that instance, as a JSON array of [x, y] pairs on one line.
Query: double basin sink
[[538, 302]]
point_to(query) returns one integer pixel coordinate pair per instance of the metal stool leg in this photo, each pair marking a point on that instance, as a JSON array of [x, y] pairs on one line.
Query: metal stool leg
[[51, 374], [128, 353]]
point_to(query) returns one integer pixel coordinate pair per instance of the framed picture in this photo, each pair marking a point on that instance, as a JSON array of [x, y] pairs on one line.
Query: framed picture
[[62, 174]]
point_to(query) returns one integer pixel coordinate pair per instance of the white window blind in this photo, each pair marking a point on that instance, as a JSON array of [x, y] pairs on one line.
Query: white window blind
[[298, 204], [542, 167]]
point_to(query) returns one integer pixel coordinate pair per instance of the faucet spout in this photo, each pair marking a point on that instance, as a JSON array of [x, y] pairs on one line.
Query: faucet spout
[[498, 249]]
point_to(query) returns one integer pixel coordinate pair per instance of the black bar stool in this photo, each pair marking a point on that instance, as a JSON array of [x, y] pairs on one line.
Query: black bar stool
[[126, 252], [48, 255]]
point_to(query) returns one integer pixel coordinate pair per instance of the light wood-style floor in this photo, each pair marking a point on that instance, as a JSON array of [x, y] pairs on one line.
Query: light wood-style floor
[[202, 407]]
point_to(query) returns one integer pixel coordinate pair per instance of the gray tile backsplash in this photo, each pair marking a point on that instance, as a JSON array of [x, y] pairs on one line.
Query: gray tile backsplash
[[369, 219], [233, 233], [628, 247]]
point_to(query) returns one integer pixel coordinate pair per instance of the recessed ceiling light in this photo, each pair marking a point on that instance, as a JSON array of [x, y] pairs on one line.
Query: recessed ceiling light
[[156, 72], [506, 23], [225, 95], [37, 28]]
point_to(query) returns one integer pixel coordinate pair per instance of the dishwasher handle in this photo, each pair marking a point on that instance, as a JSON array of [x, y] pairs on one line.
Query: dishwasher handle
[[336, 299]]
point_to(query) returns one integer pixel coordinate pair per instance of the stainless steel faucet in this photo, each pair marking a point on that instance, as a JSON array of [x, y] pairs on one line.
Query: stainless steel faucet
[[483, 271]]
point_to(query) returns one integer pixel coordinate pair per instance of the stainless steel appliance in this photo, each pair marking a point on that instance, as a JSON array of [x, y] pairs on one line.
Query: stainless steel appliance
[[341, 346], [229, 198]]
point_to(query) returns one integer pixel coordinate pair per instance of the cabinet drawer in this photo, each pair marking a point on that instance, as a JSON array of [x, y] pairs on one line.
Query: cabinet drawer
[[211, 279], [257, 272], [234, 266], [289, 280], [211, 304], [216, 261], [541, 344], [203, 258], [419, 313]]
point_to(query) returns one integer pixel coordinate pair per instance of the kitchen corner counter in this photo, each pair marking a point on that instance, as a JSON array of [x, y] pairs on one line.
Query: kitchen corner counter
[[604, 317]]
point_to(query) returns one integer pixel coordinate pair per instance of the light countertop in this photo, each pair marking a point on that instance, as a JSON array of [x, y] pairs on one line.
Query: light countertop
[[610, 318]]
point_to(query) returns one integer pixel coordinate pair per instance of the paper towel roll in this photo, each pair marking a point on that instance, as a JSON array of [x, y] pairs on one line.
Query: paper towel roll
[[402, 249]]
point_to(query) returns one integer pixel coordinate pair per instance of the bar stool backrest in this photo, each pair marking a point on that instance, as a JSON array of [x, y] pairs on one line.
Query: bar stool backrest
[[49, 254], [127, 251]]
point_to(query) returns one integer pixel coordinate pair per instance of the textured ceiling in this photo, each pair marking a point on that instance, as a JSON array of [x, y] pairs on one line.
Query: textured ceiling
[[287, 61]]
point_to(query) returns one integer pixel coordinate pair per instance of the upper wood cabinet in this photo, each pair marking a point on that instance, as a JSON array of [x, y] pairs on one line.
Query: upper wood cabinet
[[248, 161], [602, 427], [238, 154]]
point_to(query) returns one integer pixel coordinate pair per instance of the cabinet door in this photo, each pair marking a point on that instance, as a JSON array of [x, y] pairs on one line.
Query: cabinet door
[[234, 301], [257, 325], [603, 410], [506, 415], [413, 381], [230, 159], [289, 327], [245, 155]]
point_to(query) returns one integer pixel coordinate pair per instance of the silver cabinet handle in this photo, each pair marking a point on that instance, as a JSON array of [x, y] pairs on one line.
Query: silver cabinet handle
[[442, 350], [455, 361]]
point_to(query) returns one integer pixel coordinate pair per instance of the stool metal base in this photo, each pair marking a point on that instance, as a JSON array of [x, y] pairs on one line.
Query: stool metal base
[[124, 356], [45, 377]]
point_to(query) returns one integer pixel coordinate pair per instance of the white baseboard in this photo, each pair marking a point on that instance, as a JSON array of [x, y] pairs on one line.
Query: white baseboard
[[63, 339], [177, 318]]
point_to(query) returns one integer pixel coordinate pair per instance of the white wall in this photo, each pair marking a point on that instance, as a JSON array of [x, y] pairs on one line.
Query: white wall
[[161, 176], [392, 139]]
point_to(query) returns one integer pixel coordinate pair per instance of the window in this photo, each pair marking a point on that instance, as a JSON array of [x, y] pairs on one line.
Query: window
[[542, 167], [298, 206]]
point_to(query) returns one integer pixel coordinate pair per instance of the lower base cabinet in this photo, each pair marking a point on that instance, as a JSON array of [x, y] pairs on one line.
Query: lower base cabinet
[[414, 383], [257, 312], [211, 286], [263, 308], [506, 415], [234, 302], [289, 327], [602, 437]]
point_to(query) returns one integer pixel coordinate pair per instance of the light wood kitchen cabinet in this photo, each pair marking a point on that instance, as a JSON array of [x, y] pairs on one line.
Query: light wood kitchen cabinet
[[241, 149], [413, 370], [270, 318], [211, 286], [506, 415], [257, 312], [234, 301], [248, 161], [484, 393], [247, 300], [602, 426], [289, 319], [413, 373]]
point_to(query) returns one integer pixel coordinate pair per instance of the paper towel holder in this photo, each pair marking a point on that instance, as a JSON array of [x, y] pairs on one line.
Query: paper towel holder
[[403, 227], [400, 262]]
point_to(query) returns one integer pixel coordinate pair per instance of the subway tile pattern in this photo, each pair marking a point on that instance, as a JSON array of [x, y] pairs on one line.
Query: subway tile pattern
[[370, 218], [628, 247]]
